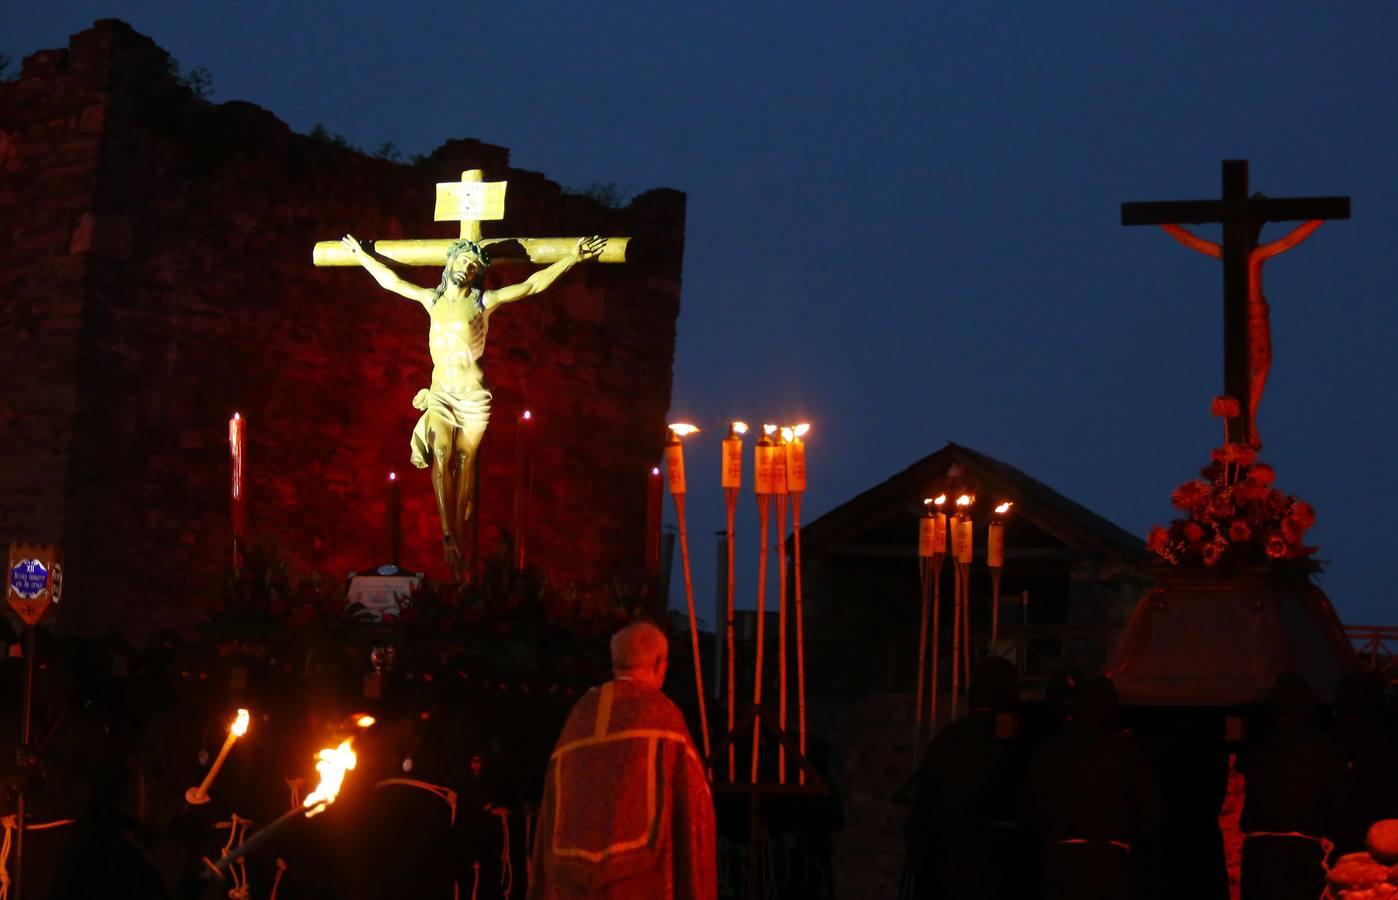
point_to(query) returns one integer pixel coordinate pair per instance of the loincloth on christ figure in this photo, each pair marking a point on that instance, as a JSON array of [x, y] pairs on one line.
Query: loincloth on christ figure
[[468, 410]]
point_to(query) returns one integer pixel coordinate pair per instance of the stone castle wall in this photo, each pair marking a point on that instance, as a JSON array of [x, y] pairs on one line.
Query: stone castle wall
[[156, 276]]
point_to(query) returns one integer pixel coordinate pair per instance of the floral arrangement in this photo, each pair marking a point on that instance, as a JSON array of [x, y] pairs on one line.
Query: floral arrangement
[[1234, 514]]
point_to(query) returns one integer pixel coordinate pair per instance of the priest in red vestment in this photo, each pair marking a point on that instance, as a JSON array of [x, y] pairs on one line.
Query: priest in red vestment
[[627, 813]]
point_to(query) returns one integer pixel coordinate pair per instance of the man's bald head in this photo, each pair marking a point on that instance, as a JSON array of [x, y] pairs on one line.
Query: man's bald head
[[640, 652]]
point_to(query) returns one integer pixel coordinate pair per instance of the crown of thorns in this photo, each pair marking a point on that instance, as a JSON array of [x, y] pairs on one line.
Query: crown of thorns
[[471, 247]]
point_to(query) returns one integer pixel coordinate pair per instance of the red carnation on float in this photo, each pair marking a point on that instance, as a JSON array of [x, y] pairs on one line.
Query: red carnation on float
[[1211, 553], [1157, 540], [1190, 495], [1261, 473], [1302, 512], [1212, 472], [1221, 506], [1193, 532], [1235, 454], [1226, 407], [1238, 531], [1277, 547]]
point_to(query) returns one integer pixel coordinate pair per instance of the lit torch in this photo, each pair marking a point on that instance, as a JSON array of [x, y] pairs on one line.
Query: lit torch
[[331, 763], [781, 492], [674, 467], [763, 454], [237, 493], [995, 559], [731, 478], [961, 549], [793, 438], [198, 796]]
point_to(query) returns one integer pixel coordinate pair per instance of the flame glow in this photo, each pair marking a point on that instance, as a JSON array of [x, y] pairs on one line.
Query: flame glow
[[680, 429], [332, 766], [1003, 508], [365, 721], [964, 500], [527, 415], [738, 427], [802, 430], [392, 476], [240, 724], [655, 470], [788, 435], [769, 429], [940, 499]]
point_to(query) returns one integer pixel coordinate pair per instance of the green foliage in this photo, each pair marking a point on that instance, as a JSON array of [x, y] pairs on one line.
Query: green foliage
[[319, 132], [607, 193], [388, 151], [199, 79]]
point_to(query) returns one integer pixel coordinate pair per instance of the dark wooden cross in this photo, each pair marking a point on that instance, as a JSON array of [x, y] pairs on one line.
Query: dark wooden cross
[[1242, 217]]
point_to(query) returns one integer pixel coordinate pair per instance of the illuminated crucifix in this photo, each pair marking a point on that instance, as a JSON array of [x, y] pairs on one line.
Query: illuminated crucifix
[[456, 407], [1247, 337]]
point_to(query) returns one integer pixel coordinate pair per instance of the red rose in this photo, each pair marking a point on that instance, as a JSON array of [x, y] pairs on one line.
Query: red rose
[[1211, 553], [1190, 495], [1249, 491], [1157, 539], [1235, 454], [1304, 515], [1239, 531], [1193, 532], [1277, 547], [1226, 407], [1212, 472], [1292, 530], [1221, 506], [1261, 473]]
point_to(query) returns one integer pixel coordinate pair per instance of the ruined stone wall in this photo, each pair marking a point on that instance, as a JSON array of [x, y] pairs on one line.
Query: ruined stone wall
[[159, 258]]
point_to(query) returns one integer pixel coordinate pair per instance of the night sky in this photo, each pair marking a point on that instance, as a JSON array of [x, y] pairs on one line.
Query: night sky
[[904, 217]]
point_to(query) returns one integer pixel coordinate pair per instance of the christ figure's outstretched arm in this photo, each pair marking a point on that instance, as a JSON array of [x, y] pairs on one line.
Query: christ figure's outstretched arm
[[1194, 242], [386, 277], [587, 248]]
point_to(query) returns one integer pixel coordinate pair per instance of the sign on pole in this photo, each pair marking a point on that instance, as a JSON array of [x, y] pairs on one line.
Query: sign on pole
[[33, 579]]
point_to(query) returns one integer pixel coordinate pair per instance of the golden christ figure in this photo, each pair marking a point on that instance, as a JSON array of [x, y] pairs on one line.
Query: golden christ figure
[[456, 407]]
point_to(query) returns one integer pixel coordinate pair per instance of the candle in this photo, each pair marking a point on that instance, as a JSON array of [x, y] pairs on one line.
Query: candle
[[995, 538], [197, 796], [965, 549], [779, 469], [393, 519], [655, 488], [927, 534], [939, 537], [524, 476], [238, 496], [732, 476]]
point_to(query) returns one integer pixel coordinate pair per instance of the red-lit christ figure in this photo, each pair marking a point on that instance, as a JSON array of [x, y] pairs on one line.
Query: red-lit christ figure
[[1259, 332], [456, 407]]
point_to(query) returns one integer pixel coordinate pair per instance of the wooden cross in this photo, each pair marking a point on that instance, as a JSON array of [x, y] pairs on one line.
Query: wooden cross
[[1242, 217], [469, 202]]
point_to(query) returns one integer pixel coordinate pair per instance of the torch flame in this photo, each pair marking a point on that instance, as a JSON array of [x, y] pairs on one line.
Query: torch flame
[[1004, 507], [680, 429], [788, 435], [738, 427], [940, 499], [240, 724], [769, 429], [365, 721], [802, 430], [332, 766], [964, 500]]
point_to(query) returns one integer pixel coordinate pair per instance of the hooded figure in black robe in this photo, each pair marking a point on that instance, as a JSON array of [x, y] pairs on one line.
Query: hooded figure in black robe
[[1092, 799], [1294, 801]]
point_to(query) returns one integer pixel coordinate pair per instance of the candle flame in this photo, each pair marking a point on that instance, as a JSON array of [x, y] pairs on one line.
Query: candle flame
[[392, 476], [332, 764], [1004, 507], [738, 427], [365, 721], [940, 499], [964, 500], [236, 416], [802, 430], [788, 435], [680, 429], [769, 429], [527, 415], [240, 724], [655, 470]]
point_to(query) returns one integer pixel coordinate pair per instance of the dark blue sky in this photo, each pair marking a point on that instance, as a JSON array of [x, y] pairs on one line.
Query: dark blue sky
[[903, 217]]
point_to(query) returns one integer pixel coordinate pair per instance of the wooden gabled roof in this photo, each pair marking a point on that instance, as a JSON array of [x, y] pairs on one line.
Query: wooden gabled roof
[[894, 504]]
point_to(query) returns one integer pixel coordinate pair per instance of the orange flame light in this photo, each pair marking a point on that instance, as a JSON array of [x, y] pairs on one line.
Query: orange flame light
[[788, 434], [680, 429], [365, 721], [240, 724], [1003, 508], [964, 501], [801, 430], [769, 429], [331, 764], [738, 427]]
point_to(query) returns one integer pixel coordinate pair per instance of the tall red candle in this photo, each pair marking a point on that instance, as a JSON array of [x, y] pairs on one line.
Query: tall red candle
[[393, 511], [524, 477], [238, 493], [655, 495]]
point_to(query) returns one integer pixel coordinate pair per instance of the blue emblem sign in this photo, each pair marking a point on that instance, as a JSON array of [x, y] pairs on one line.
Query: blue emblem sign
[[29, 578]]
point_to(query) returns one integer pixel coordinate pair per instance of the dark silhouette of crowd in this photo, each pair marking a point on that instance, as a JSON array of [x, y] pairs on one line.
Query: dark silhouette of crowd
[[1075, 798]]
